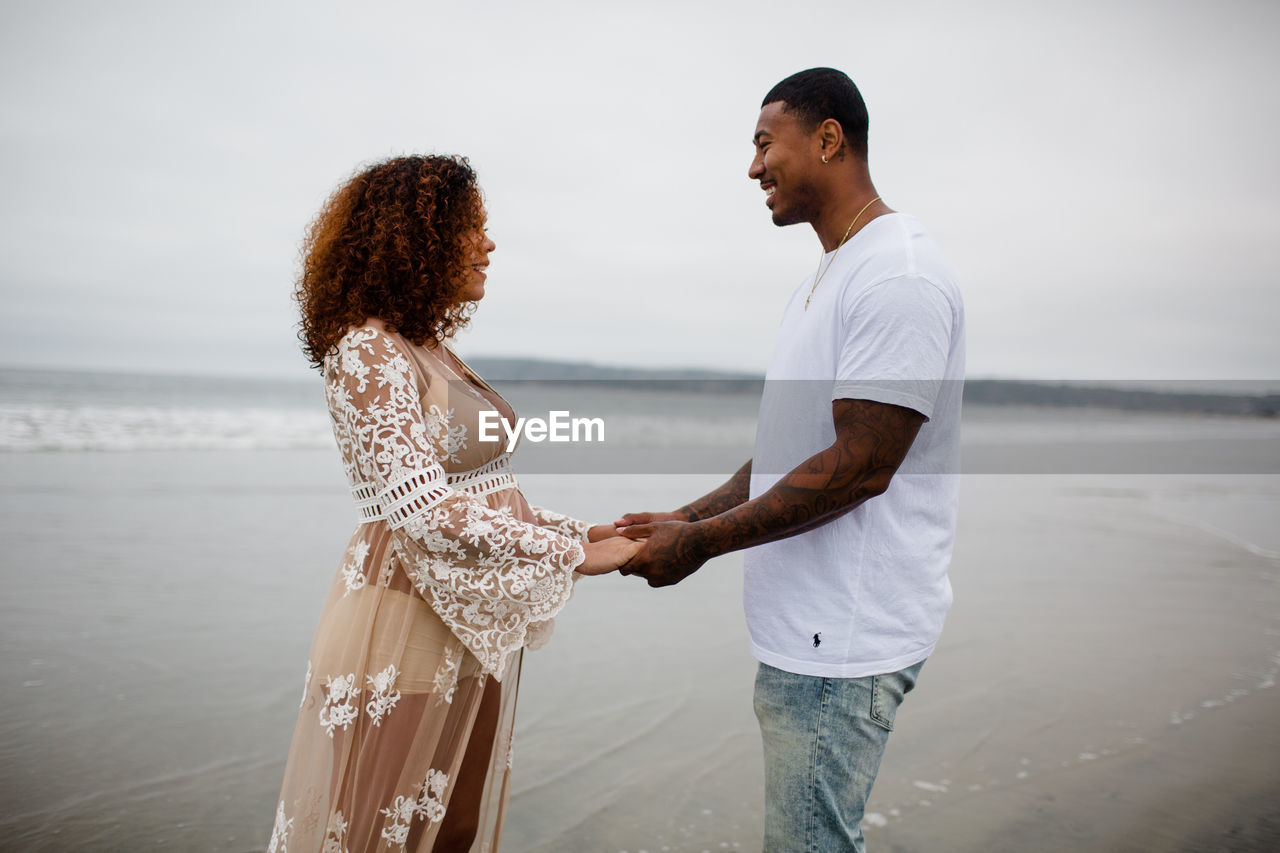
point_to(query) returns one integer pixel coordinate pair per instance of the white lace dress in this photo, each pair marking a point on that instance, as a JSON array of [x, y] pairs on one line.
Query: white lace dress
[[404, 733]]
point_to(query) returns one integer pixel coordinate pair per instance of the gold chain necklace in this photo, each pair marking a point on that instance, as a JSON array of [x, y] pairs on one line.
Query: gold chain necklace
[[817, 276]]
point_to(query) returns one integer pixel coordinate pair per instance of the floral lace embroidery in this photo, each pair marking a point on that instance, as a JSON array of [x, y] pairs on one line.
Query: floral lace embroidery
[[436, 542], [335, 834], [385, 438], [353, 571], [491, 604], [384, 695], [339, 709], [431, 798], [352, 365], [450, 439], [485, 573], [429, 805], [280, 832], [562, 524], [401, 813], [446, 678]]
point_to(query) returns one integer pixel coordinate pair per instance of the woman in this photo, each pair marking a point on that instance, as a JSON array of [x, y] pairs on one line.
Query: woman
[[404, 733]]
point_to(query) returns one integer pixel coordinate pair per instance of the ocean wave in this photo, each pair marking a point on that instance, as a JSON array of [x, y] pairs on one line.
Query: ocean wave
[[42, 427], [31, 428]]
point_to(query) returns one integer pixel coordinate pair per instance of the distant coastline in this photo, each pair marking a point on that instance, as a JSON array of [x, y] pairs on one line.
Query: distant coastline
[[1226, 397], [1205, 397], [1201, 397]]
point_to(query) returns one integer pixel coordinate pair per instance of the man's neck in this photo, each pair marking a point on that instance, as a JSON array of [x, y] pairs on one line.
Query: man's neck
[[855, 206]]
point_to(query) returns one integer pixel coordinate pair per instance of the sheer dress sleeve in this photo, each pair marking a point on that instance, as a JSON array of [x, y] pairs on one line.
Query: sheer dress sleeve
[[562, 524], [540, 632], [488, 575]]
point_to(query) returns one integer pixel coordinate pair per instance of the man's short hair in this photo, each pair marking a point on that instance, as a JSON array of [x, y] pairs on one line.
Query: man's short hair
[[818, 94]]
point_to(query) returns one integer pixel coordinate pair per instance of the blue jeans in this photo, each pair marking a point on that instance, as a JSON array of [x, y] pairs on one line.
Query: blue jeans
[[823, 738]]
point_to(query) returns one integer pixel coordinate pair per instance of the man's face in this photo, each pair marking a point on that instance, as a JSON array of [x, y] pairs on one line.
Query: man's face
[[787, 157]]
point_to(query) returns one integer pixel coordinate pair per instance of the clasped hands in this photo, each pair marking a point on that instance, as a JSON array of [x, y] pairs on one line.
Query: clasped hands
[[653, 545]]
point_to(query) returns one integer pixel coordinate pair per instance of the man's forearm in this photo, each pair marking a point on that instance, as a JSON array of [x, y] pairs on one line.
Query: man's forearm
[[871, 442], [733, 493]]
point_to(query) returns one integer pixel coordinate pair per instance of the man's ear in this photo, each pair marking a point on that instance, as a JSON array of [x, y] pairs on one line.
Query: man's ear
[[830, 139]]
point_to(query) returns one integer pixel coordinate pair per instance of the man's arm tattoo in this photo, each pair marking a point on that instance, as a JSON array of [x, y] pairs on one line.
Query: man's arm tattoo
[[733, 493], [872, 439]]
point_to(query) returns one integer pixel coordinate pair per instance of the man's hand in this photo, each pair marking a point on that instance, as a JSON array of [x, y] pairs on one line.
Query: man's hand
[[670, 552], [646, 518], [872, 440]]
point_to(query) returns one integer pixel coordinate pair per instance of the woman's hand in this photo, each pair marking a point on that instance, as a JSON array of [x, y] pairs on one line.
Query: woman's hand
[[608, 555], [601, 531]]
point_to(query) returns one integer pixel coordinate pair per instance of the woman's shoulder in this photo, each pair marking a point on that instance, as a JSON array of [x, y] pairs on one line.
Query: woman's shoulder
[[372, 335], [369, 329], [367, 343], [371, 344]]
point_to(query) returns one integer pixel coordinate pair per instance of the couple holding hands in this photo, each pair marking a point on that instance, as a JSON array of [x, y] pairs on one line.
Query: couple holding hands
[[847, 507]]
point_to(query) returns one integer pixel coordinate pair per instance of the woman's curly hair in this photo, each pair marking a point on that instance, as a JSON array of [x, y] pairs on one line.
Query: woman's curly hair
[[394, 242]]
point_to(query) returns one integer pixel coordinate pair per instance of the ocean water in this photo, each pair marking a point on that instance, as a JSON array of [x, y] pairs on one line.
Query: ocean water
[[76, 411], [680, 428], [169, 544]]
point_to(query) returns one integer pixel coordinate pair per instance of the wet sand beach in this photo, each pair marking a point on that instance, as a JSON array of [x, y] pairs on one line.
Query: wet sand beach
[[1108, 682], [1105, 680]]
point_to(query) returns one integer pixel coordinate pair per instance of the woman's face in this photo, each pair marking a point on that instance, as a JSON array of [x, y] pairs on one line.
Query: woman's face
[[481, 247]]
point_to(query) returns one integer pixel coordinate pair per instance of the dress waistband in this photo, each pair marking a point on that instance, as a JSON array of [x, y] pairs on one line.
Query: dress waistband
[[478, 482]]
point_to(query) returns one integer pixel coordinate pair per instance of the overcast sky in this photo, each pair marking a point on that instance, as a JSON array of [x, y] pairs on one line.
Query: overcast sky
[[1102, 176]]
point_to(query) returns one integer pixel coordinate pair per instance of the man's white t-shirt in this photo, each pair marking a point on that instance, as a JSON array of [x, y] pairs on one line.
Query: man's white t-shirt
[[866, 593]]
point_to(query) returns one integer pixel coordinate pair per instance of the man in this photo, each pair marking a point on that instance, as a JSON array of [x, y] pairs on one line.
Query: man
[[845, 582]]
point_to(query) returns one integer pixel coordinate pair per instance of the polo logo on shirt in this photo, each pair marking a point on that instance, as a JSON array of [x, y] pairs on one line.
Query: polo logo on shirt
[[817, 639]]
